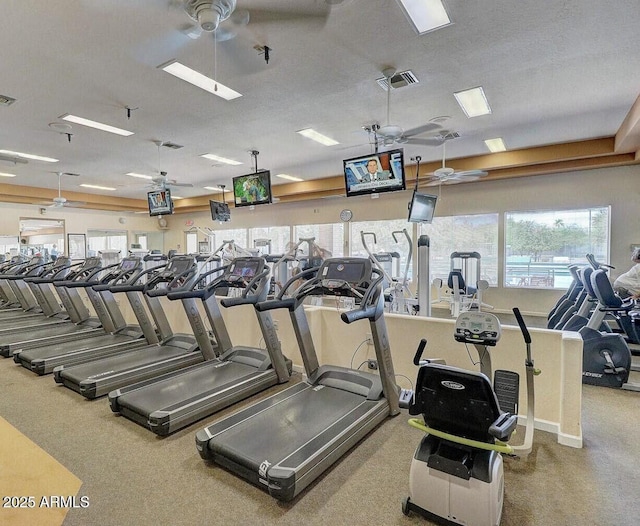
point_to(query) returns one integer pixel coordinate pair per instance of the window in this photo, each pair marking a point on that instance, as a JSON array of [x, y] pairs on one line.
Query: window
[[329, 236], [539, 245], [472, 233], [9, 245], [278, 236], [100, 240], [238, 235], [383, 242]]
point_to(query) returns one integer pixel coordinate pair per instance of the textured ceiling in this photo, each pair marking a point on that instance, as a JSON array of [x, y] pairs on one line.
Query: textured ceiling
[[553, 72]]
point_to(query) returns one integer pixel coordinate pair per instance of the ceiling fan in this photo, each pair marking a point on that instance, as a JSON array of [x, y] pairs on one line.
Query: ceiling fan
[[447, 175], [161, 181], [224, 19], [60, 201], [394, 134]]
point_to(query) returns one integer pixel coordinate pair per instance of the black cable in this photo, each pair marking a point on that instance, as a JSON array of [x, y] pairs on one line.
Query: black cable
[[358, 368]]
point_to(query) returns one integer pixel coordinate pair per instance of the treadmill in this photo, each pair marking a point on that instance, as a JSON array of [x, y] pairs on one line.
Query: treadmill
[[178, 399], [121, 337], [284, 442], [175, 351], [23, 304], [73, 323]]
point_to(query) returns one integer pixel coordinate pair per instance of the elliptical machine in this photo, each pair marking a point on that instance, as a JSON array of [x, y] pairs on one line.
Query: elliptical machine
[[606, 358], [457, 470]]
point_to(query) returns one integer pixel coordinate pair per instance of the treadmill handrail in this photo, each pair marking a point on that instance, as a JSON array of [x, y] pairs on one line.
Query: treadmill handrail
[[133, 285], [369, 306], [57, 275], [254, 298], [188, 283], [104, 282]]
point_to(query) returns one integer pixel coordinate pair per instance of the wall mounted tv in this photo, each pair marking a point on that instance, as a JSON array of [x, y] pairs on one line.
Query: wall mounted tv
[[160, 203], [422, 207], [220, 211], [252, 189], [375, 173]]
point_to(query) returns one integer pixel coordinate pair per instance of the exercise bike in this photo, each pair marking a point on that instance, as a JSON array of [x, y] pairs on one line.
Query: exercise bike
[[457, 474]]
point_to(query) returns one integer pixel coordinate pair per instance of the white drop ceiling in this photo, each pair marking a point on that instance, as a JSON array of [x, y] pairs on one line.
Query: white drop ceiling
[[553, 72]]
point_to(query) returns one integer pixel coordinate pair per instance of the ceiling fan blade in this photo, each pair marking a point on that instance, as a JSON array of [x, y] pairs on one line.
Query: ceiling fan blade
[[429, 127], [431, 141], [471, 173], [184, 185], [313, 15]]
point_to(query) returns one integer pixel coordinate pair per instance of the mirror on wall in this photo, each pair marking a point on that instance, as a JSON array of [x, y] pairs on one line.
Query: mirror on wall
[[42, 236]]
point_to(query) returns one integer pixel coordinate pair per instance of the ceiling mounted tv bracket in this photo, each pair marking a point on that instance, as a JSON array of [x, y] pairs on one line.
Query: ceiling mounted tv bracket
[[254, 156]]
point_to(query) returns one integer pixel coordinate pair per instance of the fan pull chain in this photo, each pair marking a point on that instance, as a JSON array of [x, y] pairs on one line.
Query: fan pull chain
[[215, 61]]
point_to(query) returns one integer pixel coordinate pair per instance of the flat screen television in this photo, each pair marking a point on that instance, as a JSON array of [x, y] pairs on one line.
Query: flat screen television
[[422, 207], [375, 173], [220, 211], [252, 189], [160, 203]]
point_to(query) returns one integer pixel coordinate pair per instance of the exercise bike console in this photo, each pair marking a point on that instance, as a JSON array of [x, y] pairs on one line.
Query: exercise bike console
[[478, 328]]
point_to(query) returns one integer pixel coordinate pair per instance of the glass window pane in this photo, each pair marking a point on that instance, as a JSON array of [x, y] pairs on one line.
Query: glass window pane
[[329, 236], [379, 239], [237, 235], [278, 236], [539, 245], [472, 233]]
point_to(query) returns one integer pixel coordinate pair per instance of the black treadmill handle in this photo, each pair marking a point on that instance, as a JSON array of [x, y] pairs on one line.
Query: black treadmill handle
[[419, 351], [76, 284], [232, 302], [184, 294], [262, 306], [359, 314], [120, 288], [523, 327]]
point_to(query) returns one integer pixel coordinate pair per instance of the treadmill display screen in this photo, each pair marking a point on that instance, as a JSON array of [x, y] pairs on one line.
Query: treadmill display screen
[[178, 266], [128, 264], [246, 269], [352, 272]]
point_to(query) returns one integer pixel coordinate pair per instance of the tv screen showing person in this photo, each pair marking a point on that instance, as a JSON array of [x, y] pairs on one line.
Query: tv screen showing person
[[380, 172]]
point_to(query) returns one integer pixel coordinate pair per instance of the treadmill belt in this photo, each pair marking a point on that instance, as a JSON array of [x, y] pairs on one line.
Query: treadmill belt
[[93, 342], [285, 427], [189, 386], [122, 362]]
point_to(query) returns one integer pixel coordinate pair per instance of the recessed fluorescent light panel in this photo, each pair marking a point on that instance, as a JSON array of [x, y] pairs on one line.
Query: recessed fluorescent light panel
[[139, 176], [496, 145], [96, 125], [29, 156], [196, 78], [176, 197], [473, 102], [219, 159], [289, 177], [425, 15], [312, 134], [2, 174], [96, 187]]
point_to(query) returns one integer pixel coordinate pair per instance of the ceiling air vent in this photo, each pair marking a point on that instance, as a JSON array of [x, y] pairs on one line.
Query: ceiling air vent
[[399, 80], [6, 101], [172, 145]]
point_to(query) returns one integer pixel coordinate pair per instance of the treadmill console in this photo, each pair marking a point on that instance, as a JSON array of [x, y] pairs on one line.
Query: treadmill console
[[477, 327], [129, 263], [242, 270], [344, 276], [177, 265]]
